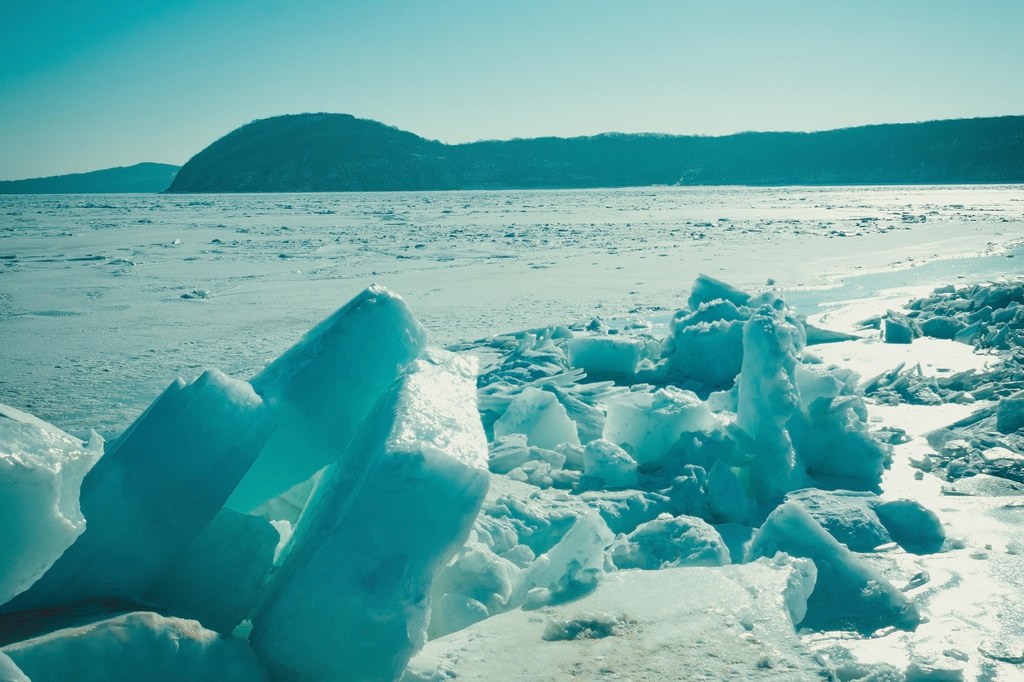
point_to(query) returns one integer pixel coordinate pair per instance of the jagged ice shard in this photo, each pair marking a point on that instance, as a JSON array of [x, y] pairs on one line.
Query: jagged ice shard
[[155, 489], [352, 598], [324, 386]]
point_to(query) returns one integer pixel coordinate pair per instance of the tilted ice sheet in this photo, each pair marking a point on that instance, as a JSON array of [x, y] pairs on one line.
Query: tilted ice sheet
[[724, 623], [352, 597], [155, 489]]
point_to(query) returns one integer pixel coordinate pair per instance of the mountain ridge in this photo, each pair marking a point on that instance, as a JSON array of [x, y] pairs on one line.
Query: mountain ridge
[[146, 177], [339, 152]]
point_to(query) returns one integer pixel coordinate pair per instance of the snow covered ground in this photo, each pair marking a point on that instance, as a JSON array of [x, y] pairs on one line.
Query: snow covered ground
[[631, 458]]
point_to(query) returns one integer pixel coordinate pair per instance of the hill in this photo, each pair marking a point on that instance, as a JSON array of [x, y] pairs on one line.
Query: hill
[[338, 152], [140, 178]]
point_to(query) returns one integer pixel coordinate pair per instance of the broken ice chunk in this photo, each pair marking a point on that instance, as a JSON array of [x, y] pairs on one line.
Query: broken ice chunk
[[155, 489], [767, 400], [350, 601], [849, 593], [706, 289], [571, 567], [604, 357], [647, 425], [916, 529], [132, 647], [898, 328], [476, 584], [323, 387], [539, 416], [217, 579], [41, 470], [607, 461], [670, 541]]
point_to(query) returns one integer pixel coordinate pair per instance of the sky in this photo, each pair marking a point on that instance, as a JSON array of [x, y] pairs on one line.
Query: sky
[[88, 85]]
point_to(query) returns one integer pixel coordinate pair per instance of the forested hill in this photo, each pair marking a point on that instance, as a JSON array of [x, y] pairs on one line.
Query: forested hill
[[338, 152], [142, 177]]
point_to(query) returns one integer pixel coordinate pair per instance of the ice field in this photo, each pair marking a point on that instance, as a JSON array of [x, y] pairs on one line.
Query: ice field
[[104, 298], [726, 433]]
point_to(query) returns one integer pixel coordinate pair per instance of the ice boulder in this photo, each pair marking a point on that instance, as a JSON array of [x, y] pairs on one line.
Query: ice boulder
[[608, 462], [135, 646], [41, 470], [707, 289], [849, 516], [155, 489], [849, 593], [1010, 413], [218, 578], [670, 541], [915, 528], [647, 425], [476, 584], [606, 357], [324, 386], [897, 328], [767, 400], [539, 416], [351, 600], [570, 568]]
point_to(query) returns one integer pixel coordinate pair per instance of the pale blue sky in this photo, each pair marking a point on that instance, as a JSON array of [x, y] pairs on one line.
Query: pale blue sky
[[86, 85]]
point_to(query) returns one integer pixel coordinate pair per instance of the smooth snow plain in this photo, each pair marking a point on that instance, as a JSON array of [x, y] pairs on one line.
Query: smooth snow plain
[[104, 299]]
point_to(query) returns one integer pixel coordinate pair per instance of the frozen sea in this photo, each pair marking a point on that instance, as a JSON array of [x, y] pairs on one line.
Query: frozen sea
[[105, 298]]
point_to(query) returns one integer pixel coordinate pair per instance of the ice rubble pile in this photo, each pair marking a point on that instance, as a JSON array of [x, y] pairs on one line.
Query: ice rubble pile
[[326, 519], [990, 442], [989, 317], [200, 516]]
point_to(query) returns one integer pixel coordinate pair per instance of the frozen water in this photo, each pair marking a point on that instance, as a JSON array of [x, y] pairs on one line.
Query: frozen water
[[324, 386], [570, 568], [768, 399], [540, 417], [352, 596], [647, 425], [606, 356], [670, 541], [41, 469], [132, 647], [722, 623], [218, 578], [543, 540], [155, 489], [101, 277], [849, 593], [608, 462]]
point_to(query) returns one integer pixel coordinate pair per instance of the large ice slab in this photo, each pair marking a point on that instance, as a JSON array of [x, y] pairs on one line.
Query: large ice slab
[[351, 599], [693, 623], [218, 578], [155, 489], [850, 594], [132, 647], [41, 470], [324, 386]]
